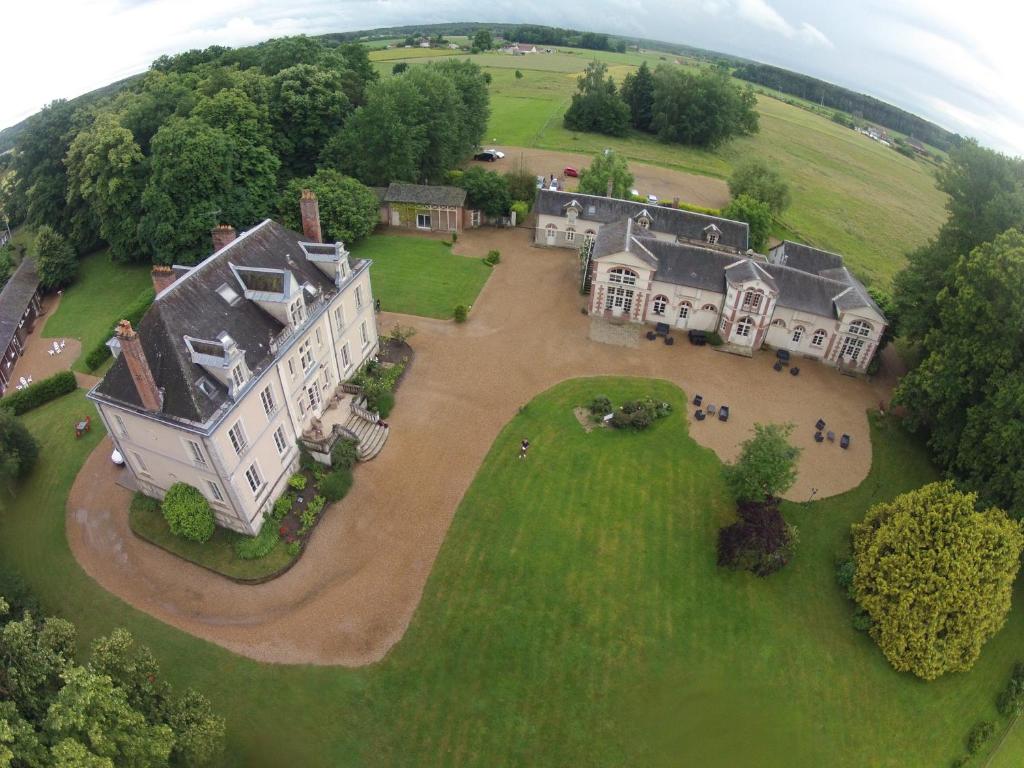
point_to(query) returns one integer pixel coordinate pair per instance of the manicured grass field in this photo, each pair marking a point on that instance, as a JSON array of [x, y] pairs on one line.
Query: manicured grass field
[[850, 194], [421, 276], [217, 554], [89, 308], [575, 616]]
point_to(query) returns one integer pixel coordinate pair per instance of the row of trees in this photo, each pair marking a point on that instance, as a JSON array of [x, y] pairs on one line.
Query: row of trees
[[702, 108], [216, 136]]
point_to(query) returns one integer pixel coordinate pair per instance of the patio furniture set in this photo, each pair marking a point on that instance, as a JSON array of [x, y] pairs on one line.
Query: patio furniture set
[[821, 435], [23, 382], [782, 361], [709, 410], [56, 348], [661, 329]]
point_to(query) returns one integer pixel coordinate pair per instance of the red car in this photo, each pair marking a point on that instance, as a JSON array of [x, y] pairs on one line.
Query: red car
[[570, 171]]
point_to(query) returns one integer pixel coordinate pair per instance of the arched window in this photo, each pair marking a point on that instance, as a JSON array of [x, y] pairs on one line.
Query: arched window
[[622, 275], [798, 333], [818, 339], [778, 323], [710, 308], [660, 302], [860, 328], [744, 326], [570, 235], [684, 310]]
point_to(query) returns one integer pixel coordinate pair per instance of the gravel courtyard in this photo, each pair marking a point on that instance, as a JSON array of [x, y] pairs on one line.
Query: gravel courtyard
[[352, 595]]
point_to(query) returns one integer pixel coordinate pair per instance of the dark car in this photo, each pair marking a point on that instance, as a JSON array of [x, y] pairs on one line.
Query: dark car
[[487, 156]]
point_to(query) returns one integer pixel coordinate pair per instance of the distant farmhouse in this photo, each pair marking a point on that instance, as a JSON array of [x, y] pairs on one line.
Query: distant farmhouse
[[236, 363], [649, 264]]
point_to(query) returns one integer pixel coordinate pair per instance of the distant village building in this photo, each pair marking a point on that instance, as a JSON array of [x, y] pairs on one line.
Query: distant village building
[[20, 305], [520, 49], [650, 264]]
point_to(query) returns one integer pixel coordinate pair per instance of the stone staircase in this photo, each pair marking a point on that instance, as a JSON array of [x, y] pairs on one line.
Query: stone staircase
[[372, 435]]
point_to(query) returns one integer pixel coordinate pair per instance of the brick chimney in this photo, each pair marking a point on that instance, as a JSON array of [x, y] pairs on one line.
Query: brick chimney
[[162, 276], [222, 234], [131, 349], [309, 209]]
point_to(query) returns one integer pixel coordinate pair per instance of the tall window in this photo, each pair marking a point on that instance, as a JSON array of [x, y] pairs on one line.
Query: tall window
[[359, 297], [306, 355], [120, 426], [818, 339], [195, 452], [798, 333], [267, 398], [143, 469], [744, 326], [570, 235], [346, 359], [339, 316], [851, 348], [296, 312], [619, 298], [254, 478], [660, 303], [684, 310], [620, 275], [364, 335], [291, 366], [215, 491], [237, 436], [237, 376], [752, 301], [313, 390], [860, 328], [319, 338], [280, 440]]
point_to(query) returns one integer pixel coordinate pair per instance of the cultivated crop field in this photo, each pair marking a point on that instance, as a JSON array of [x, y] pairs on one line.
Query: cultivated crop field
[[850, 194]]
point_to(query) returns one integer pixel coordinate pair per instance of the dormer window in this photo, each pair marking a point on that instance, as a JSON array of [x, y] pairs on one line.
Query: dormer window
[[644, 220], [296, 312], [238, 377], [204, 386], [572, 214], [712, 234]]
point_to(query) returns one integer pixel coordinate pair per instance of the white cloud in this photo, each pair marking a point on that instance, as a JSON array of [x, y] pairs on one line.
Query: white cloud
[[760, 13]]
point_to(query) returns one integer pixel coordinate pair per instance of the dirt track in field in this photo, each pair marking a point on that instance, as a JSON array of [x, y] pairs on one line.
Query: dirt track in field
[[352, 595], [705, 191]]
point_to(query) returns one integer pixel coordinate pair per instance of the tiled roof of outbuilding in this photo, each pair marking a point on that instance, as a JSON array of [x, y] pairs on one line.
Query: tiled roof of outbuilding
[[15, 298], [422, 194]]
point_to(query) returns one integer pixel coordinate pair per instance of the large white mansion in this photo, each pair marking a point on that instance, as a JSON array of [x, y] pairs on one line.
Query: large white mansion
[[237, 360], [650, 264]]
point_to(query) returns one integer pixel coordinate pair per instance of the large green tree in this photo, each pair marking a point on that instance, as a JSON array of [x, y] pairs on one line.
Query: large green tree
[[756, 214], [756, 179], [596, 106], [703, 108], [308, 106], [766, 467], [607, 166], [962, 393], [935, 574], [18, 449], [486, 190], [349, 211], [638, 93], [483, 41], [56, 261]]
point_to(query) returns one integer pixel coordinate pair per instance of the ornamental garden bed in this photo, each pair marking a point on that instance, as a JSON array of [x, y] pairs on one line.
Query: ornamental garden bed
[[281, 540]]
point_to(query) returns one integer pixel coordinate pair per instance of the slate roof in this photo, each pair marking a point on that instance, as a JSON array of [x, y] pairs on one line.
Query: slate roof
[[691, 265], [191, 306], [420, 194], [685, 224], [805, 257], [623, 236], [15, 298]]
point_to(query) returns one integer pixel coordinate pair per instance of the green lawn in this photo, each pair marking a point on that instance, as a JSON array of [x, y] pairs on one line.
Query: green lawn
[[90, 307], [850, 194], [575, 616], [421, 276], [217, 554]]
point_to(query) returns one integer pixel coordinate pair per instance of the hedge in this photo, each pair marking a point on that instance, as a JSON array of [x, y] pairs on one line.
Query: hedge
[[40, 393], [133, 314]]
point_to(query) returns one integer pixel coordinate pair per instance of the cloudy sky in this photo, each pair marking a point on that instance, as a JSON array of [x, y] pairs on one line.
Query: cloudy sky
[[958, 63]]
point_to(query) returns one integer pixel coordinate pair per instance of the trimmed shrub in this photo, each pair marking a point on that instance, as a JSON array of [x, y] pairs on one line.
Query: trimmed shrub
[[344, 454], [98, 356], [383, 403], [521, 208], [979, 735], [297, 481], [460, 313], [261, 545], [492, 258], [282, 507], [337, 484], [295, 548], [41, 392], [714, 339], [600, 405], [188, 513]]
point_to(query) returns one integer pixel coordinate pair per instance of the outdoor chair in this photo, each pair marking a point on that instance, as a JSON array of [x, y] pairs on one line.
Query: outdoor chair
[[831, 436], [819, 424], [723, 413], [651, 335], [698, 399], [661, 329], [794, 371], [818, 437], [669, 340], [778, 365], [699, 415], [711, 410], [844, 441]]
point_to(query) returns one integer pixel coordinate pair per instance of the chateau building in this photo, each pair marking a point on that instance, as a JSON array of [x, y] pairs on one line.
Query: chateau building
[[238, 359], [646, 264]]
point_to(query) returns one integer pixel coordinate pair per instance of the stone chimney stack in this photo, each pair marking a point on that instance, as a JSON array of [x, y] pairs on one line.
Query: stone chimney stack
[[131, 349], [162, 276], [222, 234], [608, 193], [309, 208]]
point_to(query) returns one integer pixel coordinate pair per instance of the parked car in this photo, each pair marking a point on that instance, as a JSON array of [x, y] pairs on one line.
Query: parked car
[[553, 185], [652, 199], [570, 171], [540, 182], [496, 152], [487, 156], [634, 193]]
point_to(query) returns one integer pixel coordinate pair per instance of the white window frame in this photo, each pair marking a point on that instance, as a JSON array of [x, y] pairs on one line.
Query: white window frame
[[346, 357], [744, 327], [359, 297], [421, 216], [570, 235], [267, 398], [818, 339], [218, 497], [237, 376], [752, 302], [659, 305], [306, 351], [364, 334], [195, 452], [315, 398], [291, 366], [622, 275], [684, 310], [619, 298], [296, 313], [254, 477], [798, 334], [319, 338], [237, 437], [280, 440], [860, 328], [709, 308], [339, 317], [852, 347]]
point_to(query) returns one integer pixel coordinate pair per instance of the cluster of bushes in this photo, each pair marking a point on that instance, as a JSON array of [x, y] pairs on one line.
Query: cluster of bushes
[[460, 314], [378, 383], [496, 194], [632, 414], [259, 546], [40, 393], [1011, 699], [492, 258], [133, 314]]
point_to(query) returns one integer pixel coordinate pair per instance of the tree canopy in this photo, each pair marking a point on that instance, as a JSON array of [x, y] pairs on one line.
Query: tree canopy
[[757, 215], [756, 179], [56, 262], [596, 106], [349, 211], [482, 40], [486, 190], [638, 93], [605, 167], [18, 449], [935, 574], [766, 467], [703, 108]]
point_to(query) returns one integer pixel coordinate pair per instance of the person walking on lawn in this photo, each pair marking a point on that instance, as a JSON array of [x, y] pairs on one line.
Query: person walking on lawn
[[523, 448]]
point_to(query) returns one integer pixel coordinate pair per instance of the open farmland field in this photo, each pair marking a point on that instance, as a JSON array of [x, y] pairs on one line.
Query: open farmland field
[[850, 194]]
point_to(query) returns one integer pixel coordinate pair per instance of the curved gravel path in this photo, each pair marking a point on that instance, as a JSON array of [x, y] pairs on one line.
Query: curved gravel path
[[352, 595]]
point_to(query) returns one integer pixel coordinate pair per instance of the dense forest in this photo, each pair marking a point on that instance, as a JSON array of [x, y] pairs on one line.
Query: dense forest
[[858, 104], [535, 34], [220, 135]]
